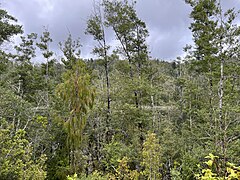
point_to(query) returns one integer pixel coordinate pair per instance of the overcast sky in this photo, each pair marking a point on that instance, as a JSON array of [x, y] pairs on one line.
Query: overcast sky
[[167, 22]]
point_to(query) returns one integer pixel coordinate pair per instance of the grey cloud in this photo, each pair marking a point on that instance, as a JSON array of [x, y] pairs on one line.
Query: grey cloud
[[167, 21]]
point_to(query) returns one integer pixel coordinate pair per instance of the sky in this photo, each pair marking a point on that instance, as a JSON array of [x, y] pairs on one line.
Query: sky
[[167, 22]]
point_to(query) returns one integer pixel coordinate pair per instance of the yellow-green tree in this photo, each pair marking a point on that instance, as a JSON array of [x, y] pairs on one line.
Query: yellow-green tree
[[77, 93], [151, 157], [214, 170], [16, 153]]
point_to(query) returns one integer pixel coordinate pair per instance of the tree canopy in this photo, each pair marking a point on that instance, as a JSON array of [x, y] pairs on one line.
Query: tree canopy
[[121, 114]]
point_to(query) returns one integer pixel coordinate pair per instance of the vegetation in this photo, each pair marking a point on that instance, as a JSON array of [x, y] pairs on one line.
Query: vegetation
[[122, 115]]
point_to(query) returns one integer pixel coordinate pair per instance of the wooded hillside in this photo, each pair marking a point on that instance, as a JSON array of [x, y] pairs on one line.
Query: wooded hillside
[[123, 115]]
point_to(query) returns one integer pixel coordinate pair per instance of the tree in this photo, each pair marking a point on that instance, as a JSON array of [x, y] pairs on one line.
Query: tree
[[7, 26], [71, 52], [131, 32], [43, 45], [96, 28], [24, 70], [151, 157], [215, 171], [216, 38], [16, 155], [78, 94]]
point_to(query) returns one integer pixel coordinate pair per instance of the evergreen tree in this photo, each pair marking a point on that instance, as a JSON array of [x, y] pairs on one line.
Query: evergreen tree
[[71, 51], [78, 95], [7, 28]]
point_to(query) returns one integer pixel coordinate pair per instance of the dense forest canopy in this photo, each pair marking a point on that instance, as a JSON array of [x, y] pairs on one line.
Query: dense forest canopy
[[122, 115]]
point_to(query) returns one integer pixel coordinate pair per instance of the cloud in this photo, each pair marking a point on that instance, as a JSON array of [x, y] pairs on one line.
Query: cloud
[[167, 21], [168, 24]]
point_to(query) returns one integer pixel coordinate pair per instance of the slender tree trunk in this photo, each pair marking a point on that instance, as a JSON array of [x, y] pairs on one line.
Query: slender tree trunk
[[153, 107], [210, 94], [108, 138], [222, 120], [130, 64], [108, 90], [108, 119], [132, 78], [47, 81], [213, 123]]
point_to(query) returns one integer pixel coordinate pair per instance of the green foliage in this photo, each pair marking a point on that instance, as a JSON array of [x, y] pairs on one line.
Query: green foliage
[[175, 173], [151, 157], [215, 171], [78, 94], [123, 171], [4, 64], [99, 123], [94, 176], [16, 155], [8, 28], [95, 27], [26, 49], [71, 51], [216, 38], [44, 44], [129, 29], [113, 152], [58, 153], [24, 76]]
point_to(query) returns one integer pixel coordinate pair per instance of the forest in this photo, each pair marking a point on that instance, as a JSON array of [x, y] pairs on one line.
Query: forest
[[122, 115]]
